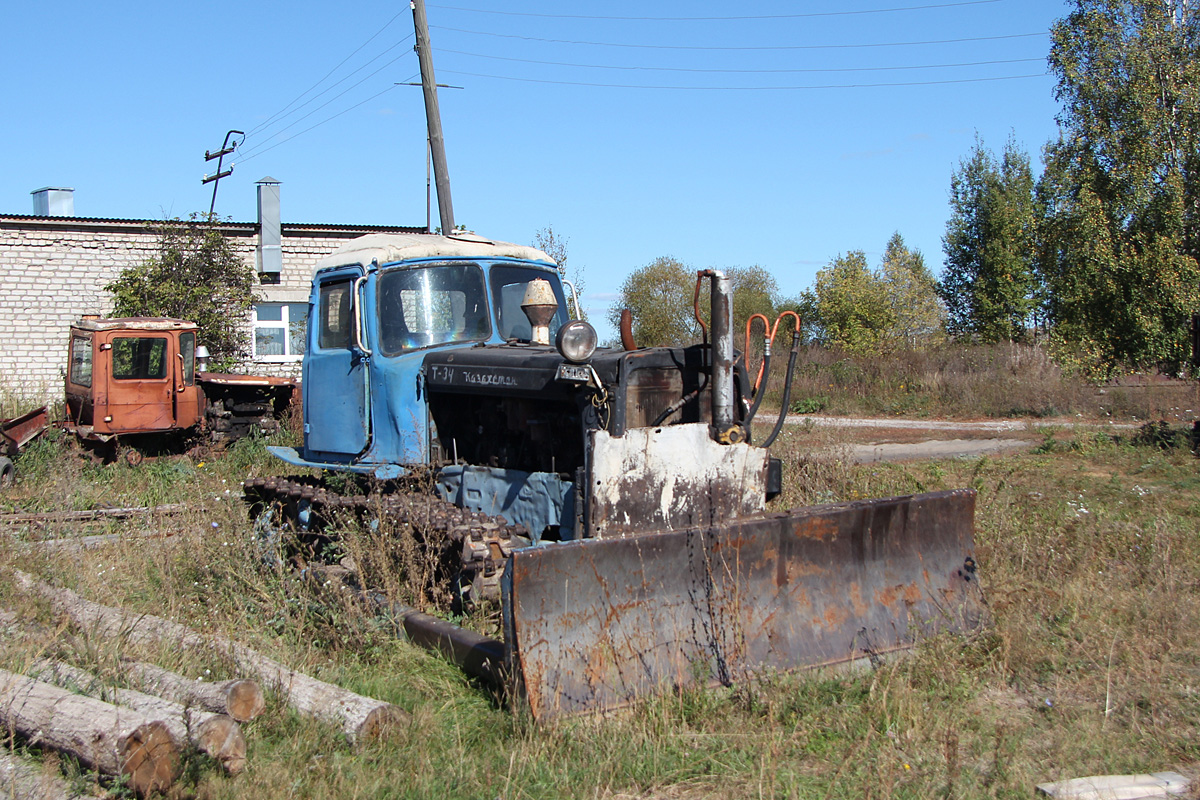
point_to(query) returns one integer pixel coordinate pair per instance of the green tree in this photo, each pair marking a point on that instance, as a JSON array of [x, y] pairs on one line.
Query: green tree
[[555, 246], [1120, 196], [755, 291], [918, 314], [989, 285], [659, 295], [853, 306], [195, 275]]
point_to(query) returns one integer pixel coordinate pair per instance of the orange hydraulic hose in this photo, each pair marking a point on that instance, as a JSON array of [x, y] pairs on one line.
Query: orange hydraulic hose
[[767, 338], [791, 314], [700, 276]]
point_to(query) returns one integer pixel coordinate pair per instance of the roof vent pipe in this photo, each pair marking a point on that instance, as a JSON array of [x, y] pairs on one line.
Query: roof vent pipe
[[54, 202], [270, 236]]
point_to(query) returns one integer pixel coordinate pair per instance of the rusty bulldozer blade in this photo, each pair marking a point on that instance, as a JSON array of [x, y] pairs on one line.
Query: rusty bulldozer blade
[[598, 623]]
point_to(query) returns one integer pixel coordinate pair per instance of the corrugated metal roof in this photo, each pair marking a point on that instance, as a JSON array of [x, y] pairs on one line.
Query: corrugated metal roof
[[11, 220]]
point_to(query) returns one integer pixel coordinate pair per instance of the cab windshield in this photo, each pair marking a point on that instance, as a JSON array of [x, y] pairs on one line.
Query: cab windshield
[[426, 306], [509, 282]]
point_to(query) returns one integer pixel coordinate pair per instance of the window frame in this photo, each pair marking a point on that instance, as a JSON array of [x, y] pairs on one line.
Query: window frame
[[285, 322]]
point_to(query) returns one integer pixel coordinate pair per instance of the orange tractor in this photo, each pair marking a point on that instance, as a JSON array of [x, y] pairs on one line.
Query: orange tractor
[[133, 388]]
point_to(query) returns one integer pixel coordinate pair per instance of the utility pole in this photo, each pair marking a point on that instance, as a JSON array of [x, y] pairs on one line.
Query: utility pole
[[215, 178], [433, 117]]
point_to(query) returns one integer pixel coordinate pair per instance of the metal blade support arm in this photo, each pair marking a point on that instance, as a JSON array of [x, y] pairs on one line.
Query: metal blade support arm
[[433, 117]]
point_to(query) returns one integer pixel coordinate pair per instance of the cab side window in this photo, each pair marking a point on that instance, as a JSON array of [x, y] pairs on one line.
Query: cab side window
[[334, 318], [81, 361]]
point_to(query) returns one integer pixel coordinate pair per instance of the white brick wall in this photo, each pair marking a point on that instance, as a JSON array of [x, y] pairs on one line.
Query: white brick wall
[[53, 270]]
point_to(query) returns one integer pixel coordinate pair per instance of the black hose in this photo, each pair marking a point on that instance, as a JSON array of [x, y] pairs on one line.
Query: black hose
[[787, 390], [680, 403], [762, 387]]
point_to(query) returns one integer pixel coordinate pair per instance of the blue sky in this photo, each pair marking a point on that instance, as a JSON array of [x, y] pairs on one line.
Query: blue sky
[[773, 133]]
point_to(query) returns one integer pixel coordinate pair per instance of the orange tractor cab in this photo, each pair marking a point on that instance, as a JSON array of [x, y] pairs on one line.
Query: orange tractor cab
[[132, 386]]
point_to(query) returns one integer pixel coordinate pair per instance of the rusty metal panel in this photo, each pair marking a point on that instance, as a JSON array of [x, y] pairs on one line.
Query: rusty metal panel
[[597, 623], [651, 391], [19, 431], [670, 478]]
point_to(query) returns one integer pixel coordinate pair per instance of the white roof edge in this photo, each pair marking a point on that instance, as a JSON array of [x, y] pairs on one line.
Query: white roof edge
[[386, 248], [134, 324]]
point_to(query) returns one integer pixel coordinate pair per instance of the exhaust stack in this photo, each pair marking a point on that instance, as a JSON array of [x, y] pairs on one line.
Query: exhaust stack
[[539, 305], [725, 429]]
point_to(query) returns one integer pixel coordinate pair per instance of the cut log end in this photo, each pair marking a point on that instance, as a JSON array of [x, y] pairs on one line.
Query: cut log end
[[150, 758], [244, 700], [381, 722], [220, 737]]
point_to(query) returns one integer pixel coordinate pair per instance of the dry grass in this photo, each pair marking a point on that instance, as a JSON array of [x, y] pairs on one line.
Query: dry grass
[[1090, 662], [974, 382]]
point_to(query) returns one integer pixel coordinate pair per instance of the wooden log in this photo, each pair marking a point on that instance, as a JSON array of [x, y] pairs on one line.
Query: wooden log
[[81, 543], [359, 717], [215, 735], [21, 780], [241, 699], [93, 514], [110, 739]]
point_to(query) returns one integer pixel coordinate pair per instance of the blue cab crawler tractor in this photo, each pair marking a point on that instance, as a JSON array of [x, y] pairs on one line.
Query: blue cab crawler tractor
[[610, 498]]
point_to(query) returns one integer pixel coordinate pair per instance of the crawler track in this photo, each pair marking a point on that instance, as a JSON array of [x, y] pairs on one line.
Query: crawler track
[[482, 542]]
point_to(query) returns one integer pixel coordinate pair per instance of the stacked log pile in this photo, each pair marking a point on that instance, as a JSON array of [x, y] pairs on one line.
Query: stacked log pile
[[359, 717], [142, 735], [215, 735], [105, 737]]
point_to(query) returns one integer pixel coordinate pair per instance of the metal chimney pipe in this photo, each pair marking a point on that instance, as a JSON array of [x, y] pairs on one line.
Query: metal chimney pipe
[[270, 230], [53, 202]]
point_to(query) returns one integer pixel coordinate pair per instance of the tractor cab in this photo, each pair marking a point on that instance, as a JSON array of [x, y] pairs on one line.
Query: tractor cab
[[133, 375], [379, 309]]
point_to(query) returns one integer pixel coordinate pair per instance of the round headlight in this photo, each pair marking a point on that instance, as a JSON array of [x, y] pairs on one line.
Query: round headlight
[[576, 341]]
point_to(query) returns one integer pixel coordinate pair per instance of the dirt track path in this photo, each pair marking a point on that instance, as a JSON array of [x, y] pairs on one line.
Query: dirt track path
[[1006, 436]]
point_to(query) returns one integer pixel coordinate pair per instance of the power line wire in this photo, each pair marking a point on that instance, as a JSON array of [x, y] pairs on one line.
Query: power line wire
[[722, 19], [327, 74], [330, 100], [339, 83], [746, 48], [746, 88], [322, 122], [743, 71]]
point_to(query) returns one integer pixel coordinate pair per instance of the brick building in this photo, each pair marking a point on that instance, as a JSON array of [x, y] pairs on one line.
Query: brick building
[[54, 265]]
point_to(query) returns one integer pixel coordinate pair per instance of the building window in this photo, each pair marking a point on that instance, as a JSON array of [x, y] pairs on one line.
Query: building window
[[279, 331]]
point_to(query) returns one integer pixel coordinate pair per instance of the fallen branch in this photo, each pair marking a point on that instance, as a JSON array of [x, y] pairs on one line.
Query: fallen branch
[[95, 513], [21, 780], [78, 543], [216, 735], [240, 699], [112, 740], [358, 716]]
